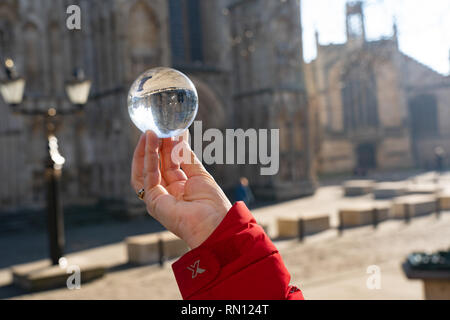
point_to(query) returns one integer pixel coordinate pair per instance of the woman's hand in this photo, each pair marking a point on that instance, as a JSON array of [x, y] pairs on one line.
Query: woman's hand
[[183, 197]]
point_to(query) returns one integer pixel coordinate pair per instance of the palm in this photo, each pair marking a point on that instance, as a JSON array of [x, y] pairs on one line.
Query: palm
[[183, 197]]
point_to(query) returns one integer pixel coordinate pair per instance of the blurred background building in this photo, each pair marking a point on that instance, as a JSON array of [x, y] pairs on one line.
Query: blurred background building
[[378, 107], [358, 106], [245, 62]]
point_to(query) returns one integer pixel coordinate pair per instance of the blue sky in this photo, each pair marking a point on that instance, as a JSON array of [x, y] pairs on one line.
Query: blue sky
[[423, 26]]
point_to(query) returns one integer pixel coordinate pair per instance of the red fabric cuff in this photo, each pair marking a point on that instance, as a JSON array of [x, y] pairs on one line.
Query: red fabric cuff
[[235, 244]]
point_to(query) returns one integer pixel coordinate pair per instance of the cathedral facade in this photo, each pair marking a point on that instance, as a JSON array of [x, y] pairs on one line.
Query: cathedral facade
[[245, 62], [376, 108]]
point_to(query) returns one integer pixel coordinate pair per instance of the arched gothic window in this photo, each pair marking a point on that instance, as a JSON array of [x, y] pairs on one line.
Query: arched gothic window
[[186, 31], [359, 100], [143, 31], [6, 38], [424, 115], [33, 54]]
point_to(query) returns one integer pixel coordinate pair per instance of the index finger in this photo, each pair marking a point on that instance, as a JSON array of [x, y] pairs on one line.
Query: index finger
[[170, 169], [137, 165], [190, 164]]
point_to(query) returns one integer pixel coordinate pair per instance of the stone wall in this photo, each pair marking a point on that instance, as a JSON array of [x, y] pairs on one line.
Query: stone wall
[[118, 40], [397, 79], [270, 91]]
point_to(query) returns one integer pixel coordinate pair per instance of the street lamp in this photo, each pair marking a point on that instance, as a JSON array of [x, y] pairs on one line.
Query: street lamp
[[78, 89], [13, 87], [12, 90]]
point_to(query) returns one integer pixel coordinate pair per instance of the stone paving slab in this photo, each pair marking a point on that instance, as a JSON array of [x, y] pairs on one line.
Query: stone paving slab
[[308, 262], [290, 226], [146, 249], [353, 286], [364, 214], [445, 201], [358, 187], [41, 275], [423, 189], [389, 190], [415, 204], [330, 268]]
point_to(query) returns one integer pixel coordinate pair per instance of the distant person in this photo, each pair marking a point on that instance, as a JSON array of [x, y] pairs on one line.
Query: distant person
[[243, 192], [439, 156], [231, 257]]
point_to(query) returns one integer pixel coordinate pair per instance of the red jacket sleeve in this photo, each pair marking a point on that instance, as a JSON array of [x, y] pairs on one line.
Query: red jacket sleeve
[[237, 262]]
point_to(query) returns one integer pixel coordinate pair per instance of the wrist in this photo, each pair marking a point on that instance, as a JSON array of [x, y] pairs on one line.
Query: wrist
[[207, 227], [235, 245]]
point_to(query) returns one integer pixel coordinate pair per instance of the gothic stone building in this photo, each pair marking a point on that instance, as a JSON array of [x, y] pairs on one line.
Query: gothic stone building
[[245, 58], [376, 108]]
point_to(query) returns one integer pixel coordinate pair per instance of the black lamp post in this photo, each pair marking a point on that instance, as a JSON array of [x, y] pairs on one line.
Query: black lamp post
[[12, 90]]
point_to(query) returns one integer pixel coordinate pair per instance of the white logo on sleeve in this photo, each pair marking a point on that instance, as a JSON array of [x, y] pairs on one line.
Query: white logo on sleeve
[[195, 269]]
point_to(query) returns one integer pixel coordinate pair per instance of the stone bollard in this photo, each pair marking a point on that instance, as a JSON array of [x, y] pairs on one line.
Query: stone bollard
[[407, 213], [363, 214], [154, 248], [375, 217], [162, 258], [438, 208], [300, 227], [301, 230]]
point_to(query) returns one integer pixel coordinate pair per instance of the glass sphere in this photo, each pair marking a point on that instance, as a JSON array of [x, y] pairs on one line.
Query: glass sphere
[[163, 100]]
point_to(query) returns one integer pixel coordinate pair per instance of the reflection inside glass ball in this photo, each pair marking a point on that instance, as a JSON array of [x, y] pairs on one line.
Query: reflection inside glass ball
[[163, 100]]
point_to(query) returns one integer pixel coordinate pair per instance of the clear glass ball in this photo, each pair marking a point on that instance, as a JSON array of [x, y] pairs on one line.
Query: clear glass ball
[[163, 100]]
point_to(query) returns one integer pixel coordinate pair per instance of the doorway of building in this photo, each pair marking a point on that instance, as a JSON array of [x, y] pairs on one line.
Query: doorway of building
[[424, 116], [366, 157], [424, 123]]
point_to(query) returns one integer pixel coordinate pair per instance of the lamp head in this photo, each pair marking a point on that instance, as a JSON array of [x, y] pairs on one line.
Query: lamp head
[[78, 89], [10, 69], [12, 89]]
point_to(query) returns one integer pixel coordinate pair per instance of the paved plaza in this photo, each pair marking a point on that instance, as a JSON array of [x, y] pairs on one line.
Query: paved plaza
[[324, 266]]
